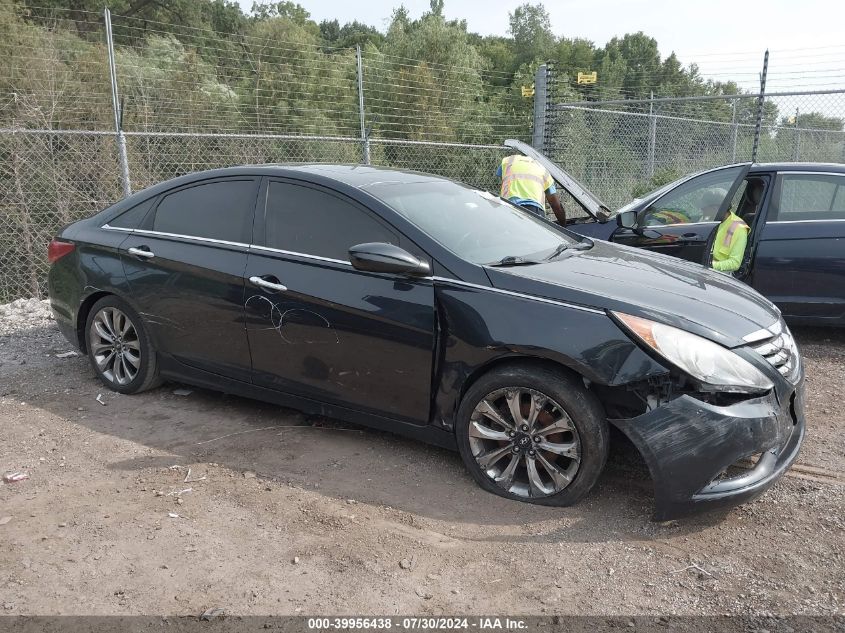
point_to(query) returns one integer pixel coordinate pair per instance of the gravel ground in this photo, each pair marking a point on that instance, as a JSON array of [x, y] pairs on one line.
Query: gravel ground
[[287, 514]]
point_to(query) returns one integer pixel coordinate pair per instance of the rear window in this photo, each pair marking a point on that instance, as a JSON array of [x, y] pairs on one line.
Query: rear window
[[810, 197], [133, 218], [220, 210]]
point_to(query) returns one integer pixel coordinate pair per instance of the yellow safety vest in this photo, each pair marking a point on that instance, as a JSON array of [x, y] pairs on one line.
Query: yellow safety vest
[[726, 236], [524, 178]]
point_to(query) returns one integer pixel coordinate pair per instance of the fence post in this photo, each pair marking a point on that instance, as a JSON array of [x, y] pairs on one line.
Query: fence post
[[796, 147], [761, 98], [541, 92], [734, 131], [118, 118], [652, 135], [365, 138]]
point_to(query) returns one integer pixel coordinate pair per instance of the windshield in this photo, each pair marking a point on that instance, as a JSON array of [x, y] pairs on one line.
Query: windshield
[[475, 225]]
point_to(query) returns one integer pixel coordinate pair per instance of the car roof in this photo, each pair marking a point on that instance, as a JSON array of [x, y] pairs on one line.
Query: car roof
[[353, 175]]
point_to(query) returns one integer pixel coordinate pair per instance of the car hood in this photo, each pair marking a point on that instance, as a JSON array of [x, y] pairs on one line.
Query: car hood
[[650, 285]]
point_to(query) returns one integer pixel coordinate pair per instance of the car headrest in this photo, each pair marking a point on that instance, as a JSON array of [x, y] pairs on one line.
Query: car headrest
[[755, 192]]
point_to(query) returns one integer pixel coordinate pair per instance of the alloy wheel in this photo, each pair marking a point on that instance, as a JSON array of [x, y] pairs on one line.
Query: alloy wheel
[[115, 346], [524, 442]]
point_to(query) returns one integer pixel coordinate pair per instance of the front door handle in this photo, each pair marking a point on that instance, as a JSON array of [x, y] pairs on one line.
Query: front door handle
[[267, 285], [143, 253]]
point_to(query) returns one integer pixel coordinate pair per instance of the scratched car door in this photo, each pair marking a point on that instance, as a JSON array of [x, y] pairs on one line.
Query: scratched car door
[[321, 329], [185, 265]]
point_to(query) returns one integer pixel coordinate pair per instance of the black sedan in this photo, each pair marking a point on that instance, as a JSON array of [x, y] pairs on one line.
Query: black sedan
[[423, 306], [796, 248]]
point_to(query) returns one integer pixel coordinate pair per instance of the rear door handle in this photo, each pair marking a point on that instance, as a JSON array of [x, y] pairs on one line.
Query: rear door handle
[[267, 285], [143, 253]]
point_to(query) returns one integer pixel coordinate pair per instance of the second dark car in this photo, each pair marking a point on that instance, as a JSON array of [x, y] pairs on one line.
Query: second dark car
[[796, 211], [423, 306]]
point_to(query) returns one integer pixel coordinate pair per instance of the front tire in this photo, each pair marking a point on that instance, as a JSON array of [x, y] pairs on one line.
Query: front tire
[[119, 348], [532, 434]]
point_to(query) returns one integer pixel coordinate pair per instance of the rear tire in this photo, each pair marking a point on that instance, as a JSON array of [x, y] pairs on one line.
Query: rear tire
[[119, 347], [532, 434]]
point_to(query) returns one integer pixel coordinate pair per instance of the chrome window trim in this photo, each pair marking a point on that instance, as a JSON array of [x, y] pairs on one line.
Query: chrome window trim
[[319, 258], [812, 173], [330, 260], [804, 221], [195, 238], [650, 226], [521, 295]]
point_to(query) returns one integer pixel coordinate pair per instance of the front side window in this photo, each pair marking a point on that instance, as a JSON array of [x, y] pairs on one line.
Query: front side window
[[313, 222], [475, 225], [810, 197], [697, 200], [220, 210]]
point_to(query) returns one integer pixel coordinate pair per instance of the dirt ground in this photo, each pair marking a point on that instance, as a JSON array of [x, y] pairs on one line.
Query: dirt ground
[[284, 514]]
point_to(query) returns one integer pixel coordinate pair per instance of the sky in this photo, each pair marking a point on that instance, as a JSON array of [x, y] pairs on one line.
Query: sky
[[726, 38]]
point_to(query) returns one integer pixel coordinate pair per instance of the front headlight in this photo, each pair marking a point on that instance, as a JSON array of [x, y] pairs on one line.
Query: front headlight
[[702, 359]]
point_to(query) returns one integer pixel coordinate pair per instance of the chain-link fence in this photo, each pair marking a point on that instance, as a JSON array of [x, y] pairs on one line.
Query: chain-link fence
[[51, 178], [92, 107], [623, 148]]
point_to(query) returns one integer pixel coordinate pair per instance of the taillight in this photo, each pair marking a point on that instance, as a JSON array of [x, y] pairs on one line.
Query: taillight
[[58, 249]]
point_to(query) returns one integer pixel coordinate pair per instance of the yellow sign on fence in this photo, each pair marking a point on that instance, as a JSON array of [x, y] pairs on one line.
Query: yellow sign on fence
[[588, 78], [527, 91]]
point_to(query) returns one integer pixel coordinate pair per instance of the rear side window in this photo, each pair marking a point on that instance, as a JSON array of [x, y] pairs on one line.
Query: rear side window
[[132, 218], [305, 220], [221, 210], [810, 197]]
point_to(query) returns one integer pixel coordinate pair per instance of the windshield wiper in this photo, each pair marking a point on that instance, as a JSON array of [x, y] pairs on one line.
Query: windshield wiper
[[563, 246], [512, 260], [558, 250]]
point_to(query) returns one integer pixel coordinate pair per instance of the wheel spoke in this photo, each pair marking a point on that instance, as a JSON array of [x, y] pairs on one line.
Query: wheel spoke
[[505, 478], [135, 344], [488, 410], [513, 398], [126, 327], [569, 449], [476, 429], [127, 370], [98, 347], [535, 483], [560, 478], [537, 404], [486, 460], [561, 425], [108, 321], [102, 331], [119, 375], [104, 362], [134, 361]]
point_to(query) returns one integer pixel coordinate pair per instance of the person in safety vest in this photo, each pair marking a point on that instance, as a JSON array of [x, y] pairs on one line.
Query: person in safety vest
[[729, 245], [528, 184]]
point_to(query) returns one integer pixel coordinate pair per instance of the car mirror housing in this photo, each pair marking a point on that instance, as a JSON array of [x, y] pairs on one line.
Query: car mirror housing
[[627, 220], [380, 257]]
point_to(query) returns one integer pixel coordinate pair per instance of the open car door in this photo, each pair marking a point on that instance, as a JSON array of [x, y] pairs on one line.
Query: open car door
[[683, 220], [595, 209]]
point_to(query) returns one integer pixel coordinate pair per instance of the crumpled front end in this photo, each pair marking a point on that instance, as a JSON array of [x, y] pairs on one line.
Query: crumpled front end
[[691, 448]]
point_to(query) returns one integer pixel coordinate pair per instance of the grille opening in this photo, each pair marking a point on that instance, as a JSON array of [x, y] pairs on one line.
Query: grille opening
[[739, 467]]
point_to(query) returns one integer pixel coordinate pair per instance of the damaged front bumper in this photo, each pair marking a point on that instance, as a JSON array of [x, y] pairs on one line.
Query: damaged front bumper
[[689, 445]]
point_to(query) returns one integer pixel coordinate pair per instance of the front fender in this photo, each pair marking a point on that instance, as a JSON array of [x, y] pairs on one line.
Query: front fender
[[480, 326]]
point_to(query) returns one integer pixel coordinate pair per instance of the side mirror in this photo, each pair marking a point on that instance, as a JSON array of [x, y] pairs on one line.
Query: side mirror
[[379, 257], [627, 220]]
